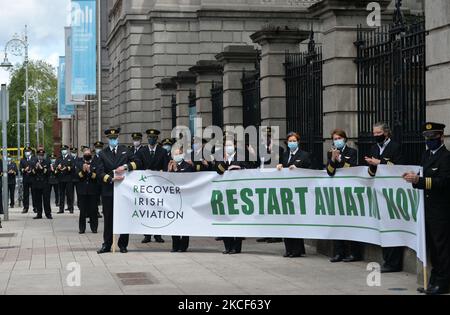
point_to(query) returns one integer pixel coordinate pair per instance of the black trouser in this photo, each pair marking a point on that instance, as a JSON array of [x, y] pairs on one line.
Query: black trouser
[[232, 244], [108, 204], [88, 209], [342, 248], [180, 243], [41, 197], [27, 187], [12, 190], [295, 246], [438, 242], [1, 200], [65, 190], [393, 257], [55, 188]]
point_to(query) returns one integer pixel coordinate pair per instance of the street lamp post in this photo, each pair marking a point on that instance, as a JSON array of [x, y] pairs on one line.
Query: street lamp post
[[18, 47]]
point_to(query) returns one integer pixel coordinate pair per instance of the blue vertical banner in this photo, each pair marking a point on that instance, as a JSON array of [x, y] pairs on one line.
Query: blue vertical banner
[[65, 111], [84, 47]]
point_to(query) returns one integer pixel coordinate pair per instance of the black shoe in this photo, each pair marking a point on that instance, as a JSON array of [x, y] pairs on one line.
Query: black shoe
[[24, 211], [174, 251], [262, 240], [82, 232], [286, 255], [60, 212], [11, 206], [226, 252], [234, 252], [437, 290], [159, 240], [38, 217], [183, 250], [124, 250], [386, 269], [49, 217], [94, 232], [71, 211], [351, 258], [422, 290], [337, 258], [295, 256], [146, 240], [274, 240], [219, 239], [103, 250], [34, 210]]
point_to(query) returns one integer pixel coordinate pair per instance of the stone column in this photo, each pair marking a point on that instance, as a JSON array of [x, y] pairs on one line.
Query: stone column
[[185, 81], [207, 71], [438, 62], [339, 20], [274, 43], [168, 89], [235, 59]]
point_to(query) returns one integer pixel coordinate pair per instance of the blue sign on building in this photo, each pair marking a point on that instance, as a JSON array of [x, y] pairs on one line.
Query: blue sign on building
[[65, 111]]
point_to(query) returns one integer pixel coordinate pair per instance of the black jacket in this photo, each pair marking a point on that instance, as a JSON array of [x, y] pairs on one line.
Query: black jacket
[[67, 171], [108, 163], [279, 151], [185, 167], [222, 166], [436, 184], [53, 176], [349, 158], [197, 157], [87, 181], [159, 162], [12, 167], [301, 159], [392, 155], [40, 171], [25, 170]]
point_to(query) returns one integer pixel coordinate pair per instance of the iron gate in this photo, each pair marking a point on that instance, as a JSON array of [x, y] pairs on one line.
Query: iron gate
[[217, 104], [304, 98], [391, 84], [251, 97], [174, 111]]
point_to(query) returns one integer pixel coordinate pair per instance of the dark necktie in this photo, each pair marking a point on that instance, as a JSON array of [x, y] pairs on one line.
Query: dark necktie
[[152, 153], [291, 157], [114, 152]]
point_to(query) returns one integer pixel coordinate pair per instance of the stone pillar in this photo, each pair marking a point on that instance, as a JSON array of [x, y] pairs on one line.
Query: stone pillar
[[207, 71], [274, 44], [168, 89], [339, 20], [65, 132], [235, 59], [185, 81], [438, 62]]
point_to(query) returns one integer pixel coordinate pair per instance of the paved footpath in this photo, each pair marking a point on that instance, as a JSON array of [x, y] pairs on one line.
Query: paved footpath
[[35, 255]]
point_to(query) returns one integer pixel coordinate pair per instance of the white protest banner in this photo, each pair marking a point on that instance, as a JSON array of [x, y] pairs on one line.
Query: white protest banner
[[384, 210]]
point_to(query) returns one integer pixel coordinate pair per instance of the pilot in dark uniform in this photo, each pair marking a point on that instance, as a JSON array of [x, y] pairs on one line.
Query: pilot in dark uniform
[[137, 142], [74, 153], [87, 189], [12, 173], [435, 181], [65, 169], [294, 158], [113, 162], [179, 165], [53, 179], [27, 179], [343, 156], [233, 160], [98, 147], [387, 152], [167, 145], [153, 157], [40, 171]]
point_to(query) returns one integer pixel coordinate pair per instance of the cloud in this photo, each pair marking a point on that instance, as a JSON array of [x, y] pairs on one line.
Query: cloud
[[45, 19]]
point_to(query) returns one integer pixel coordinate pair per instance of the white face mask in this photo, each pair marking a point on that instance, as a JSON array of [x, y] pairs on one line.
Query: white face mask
[[97, 151], [27, 154], [74, 155], [178, 158], [229, 149], [64, 152], [137, 144]]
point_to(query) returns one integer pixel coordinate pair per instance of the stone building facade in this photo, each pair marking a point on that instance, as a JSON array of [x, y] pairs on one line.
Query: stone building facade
[[158, 51]]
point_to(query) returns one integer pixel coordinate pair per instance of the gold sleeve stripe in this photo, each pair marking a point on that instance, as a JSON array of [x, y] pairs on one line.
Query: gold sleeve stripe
[[390, 163], [428, 183], [371, 173], [80, 174], [330, 168], [133, 166], [94, 176], [221, 168], [198, 168], [106, 178], [347, 165]]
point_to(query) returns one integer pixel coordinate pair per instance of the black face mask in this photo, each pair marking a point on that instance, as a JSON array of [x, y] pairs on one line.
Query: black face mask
[[380, 139], [88, 158]]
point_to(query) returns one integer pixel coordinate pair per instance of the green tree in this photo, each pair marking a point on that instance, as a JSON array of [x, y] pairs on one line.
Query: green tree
[[42, 78]]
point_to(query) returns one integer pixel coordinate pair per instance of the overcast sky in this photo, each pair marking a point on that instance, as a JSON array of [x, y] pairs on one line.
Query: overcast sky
[[45, 19]]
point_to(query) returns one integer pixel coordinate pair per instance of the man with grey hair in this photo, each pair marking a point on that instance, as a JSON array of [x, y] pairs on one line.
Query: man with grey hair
[[386, 152]]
